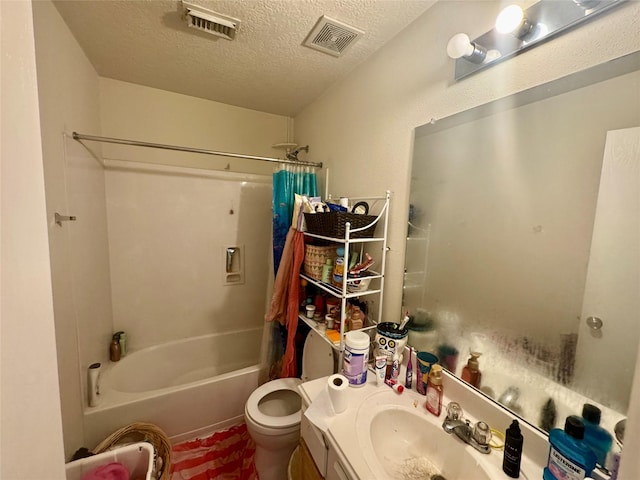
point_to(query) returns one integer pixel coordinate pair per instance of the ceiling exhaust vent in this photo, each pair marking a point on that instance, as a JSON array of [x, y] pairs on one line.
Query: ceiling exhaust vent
[[331, 36], [210, 22]]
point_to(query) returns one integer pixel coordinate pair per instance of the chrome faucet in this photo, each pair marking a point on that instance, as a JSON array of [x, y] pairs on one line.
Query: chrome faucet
[[478, 435]]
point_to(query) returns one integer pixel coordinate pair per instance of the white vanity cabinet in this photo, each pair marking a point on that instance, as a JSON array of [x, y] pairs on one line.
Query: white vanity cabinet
[[349, 242], [320, 450], [316, 445], [335, 469]]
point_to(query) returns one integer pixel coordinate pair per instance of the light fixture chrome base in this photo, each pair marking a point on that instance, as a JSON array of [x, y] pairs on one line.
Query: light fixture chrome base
[[548, 18]]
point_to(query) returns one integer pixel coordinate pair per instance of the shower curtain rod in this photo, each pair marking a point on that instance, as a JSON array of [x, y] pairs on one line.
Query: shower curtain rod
[[136, 143]]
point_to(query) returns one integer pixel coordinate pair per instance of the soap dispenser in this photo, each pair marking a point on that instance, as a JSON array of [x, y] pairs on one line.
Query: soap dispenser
[[471, 372]]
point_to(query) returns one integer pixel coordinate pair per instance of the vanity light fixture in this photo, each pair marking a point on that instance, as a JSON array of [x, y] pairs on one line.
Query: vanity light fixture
[[517, 29]]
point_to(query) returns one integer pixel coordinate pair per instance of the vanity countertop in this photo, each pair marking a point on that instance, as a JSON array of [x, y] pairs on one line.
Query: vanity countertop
[[344, 429]]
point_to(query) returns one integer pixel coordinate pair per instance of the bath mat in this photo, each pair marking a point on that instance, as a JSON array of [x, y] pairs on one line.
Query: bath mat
[[225, 455]]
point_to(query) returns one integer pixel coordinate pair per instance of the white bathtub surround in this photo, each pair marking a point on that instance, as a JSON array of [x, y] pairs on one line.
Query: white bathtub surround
[[168, 230], [188, 387]]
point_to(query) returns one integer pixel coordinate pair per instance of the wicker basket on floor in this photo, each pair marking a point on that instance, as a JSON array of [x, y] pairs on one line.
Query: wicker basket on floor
[[142, 432]]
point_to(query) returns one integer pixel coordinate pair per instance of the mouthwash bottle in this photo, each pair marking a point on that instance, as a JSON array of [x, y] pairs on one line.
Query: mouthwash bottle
[[595, 436], [570, 458]]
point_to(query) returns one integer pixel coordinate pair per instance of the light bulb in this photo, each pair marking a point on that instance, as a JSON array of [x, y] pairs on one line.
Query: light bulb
[[509, 19], [512, 20], [459, 46]]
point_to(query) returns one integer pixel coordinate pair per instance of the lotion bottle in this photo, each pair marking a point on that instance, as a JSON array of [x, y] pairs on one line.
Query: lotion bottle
[[513, 441], [434, 390], [471, 371]]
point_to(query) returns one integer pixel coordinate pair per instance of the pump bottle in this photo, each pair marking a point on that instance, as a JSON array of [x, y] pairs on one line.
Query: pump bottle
[[471, 371]]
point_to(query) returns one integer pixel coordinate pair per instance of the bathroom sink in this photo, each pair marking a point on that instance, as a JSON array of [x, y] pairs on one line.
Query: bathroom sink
[[400, 442]]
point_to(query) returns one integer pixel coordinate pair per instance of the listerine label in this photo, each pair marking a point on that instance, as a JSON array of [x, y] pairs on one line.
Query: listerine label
[[564, 469]]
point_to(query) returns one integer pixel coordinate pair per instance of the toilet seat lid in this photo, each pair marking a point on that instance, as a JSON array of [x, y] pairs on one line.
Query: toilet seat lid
[[270, 421], [317, 357]]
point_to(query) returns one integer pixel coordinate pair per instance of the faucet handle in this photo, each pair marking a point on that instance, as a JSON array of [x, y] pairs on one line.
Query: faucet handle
[[454, 411], [482, 433]]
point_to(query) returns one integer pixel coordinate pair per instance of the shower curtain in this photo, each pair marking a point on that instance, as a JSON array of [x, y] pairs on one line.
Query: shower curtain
[[287, 181], [288, 253]]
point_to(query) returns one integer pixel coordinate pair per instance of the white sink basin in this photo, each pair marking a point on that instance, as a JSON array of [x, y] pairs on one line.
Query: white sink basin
[[400, 442]]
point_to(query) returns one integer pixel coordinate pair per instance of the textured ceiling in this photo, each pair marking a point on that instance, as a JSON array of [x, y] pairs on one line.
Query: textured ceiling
[[265, 68]]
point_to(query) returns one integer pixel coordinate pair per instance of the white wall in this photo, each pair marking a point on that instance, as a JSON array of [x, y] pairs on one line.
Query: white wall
[[141, 113], [31, 433], [410, 81], [74, 180], [168, 232]]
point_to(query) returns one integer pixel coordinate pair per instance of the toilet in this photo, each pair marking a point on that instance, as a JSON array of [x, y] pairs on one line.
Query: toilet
[[273, 411]]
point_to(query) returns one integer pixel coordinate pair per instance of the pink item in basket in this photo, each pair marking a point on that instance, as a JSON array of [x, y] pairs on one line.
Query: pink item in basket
[[111, 471]]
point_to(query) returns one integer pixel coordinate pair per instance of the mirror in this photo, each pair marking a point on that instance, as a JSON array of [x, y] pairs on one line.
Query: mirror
[[523, 244]]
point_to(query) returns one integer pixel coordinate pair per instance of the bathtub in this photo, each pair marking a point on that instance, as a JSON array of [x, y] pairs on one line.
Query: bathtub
[[187, 387]]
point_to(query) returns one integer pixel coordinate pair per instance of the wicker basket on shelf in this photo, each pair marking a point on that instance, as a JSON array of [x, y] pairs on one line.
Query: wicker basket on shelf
[[332, 224], [142, 432], [315, 257]]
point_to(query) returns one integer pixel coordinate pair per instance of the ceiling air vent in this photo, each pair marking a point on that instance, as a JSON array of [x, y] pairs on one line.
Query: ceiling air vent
[[210, 22], [332, 37]]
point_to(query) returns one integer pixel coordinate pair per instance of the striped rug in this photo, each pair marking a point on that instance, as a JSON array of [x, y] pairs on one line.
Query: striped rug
[[225, 455]]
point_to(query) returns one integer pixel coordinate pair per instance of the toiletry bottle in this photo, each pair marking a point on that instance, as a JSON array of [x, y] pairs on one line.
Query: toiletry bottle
[[595, 436], [512, 450], [122, 338], [409, 376], [569, 456], [356, 318], [471, 371], [327, 269], [114, 348], [338, 268], [614, 466], [318, 301], [93, 385], [434, 390], [395, 366]]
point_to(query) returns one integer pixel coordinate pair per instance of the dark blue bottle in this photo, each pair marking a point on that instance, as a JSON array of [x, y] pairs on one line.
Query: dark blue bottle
[[569, 455], [595, 436]]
